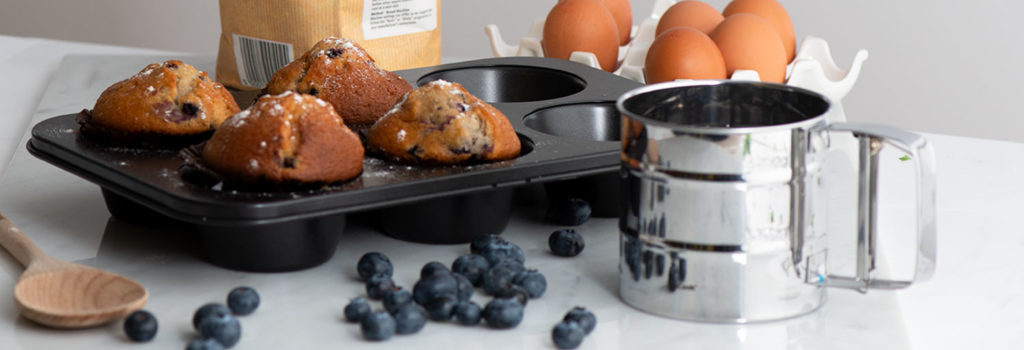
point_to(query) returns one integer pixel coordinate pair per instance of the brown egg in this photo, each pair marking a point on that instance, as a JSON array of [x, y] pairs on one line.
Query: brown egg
[[623, 14], [690, 13], [581, 25], [683, 53], [749, 42], [772, 11]]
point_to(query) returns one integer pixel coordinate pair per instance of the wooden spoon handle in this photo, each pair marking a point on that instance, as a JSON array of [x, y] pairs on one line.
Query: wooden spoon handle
[[17, 243]]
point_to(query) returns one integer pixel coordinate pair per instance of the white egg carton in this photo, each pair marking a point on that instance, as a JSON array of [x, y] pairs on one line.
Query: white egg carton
[[812, 68]]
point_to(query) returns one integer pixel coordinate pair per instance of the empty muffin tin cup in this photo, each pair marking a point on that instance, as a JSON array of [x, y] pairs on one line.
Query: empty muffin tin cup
[[596, 121], [724, 212], [509, 83]]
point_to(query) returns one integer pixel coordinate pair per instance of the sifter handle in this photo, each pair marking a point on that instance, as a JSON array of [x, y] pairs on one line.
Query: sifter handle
[[870, 138]]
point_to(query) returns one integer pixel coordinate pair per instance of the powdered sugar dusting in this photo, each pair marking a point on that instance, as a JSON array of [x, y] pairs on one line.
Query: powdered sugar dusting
[[254, 164], [238, 119]]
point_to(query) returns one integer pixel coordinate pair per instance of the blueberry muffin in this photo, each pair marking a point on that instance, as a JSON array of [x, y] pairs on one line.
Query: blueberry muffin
[[286, 139], [340, 72], [442, 123], [168, 104]]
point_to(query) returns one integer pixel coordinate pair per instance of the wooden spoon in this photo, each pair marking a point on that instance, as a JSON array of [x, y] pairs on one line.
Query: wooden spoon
[[64, 295]]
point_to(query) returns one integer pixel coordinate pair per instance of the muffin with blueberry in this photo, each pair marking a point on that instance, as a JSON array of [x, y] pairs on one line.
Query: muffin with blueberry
[[340, 72], [286, 139], [442, 123], [166, 105]]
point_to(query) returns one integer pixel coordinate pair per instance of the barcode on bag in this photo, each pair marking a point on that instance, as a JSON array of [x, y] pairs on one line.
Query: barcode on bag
[[258, 59]]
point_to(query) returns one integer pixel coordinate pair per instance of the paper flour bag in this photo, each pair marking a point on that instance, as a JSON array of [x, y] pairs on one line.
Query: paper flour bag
[[259, 37]]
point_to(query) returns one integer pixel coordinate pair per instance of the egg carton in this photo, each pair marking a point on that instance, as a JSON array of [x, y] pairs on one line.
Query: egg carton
[[812, 68]]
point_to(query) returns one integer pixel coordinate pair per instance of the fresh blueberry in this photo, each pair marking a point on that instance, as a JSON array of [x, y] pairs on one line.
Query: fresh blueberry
[[568, 212], [463, 287], [140, 326], [566, 242], [433, 268], [476, 246], [379, 284], [498, 280], [516, 292], [503, 313], [567, 335], [204, 344], [441, 308], [357, 309], [512, 265], [432, 287], [533, 282], [467, 313], [378, 325], [502, 250], [243, 300], [409, 318], [585, 318], [207, 310], [395, 298], [373, 263], [472, 266], [222, 327]]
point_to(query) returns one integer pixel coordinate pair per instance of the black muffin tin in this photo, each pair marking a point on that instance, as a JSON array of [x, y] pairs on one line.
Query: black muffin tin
[[563, 112]]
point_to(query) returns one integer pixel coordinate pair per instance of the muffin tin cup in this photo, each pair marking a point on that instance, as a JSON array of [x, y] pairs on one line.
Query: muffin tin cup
[[290, 230]]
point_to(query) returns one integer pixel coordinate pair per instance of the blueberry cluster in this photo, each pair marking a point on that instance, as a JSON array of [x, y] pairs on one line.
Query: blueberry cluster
[[442, 294], [577, 323], [216, 323]]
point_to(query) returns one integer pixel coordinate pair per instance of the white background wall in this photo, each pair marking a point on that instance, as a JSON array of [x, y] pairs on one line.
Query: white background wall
[[947, 67]]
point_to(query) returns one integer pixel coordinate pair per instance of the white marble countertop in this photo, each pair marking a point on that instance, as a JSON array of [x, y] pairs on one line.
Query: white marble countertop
[[975, 299]]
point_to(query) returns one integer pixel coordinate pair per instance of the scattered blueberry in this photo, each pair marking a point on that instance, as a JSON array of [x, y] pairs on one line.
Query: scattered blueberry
[[207, 310], [441, 308], [140, 326], [433, 268], [476, 246], [467, 313], [497, 251], [409, 318], [566, 242], [204, 344], [243, 300], [464, 288], [567, 335], [503, 313], [378, 325], [568, 212], [516, 292], [357, 309], [379, 284], [498, 280], [373, 263], [533, 282], [395, 298], [512, 265], [221, 326], [432, 287], [471, 266], [585, 318]]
